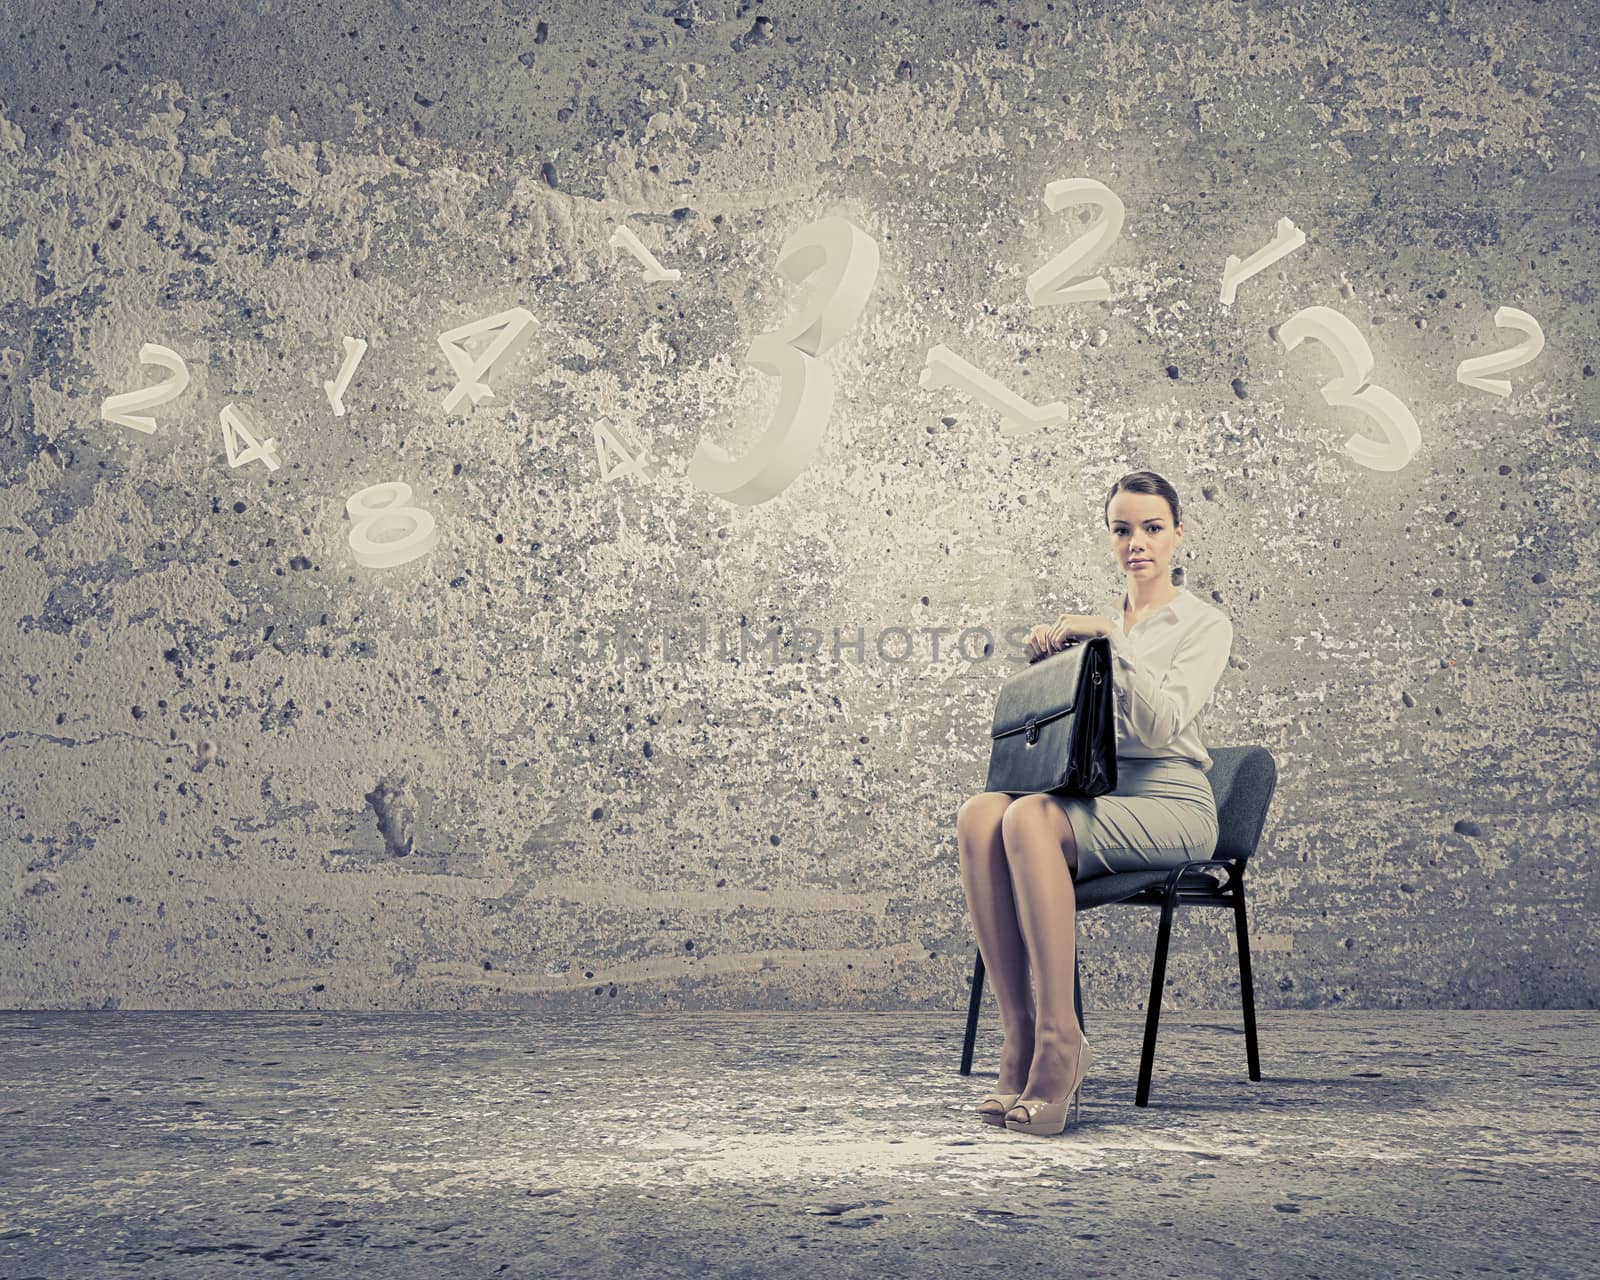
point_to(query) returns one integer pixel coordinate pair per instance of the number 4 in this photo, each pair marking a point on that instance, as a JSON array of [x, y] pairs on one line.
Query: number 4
[[235, 429], [516, 327]]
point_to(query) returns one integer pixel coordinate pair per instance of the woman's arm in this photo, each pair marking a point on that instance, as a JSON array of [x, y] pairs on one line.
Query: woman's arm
[[1159, 709]]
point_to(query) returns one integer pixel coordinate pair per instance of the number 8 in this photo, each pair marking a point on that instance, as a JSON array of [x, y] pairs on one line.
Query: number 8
[[380, 506]]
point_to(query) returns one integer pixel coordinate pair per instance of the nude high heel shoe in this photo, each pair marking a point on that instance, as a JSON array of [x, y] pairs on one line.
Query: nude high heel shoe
[[1006, 1101], [1048, 1118]]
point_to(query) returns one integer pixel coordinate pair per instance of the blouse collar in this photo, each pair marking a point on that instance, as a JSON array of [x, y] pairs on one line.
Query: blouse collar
[[1119, 603]]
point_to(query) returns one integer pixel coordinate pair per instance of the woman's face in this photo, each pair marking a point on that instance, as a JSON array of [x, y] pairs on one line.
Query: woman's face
[[1142, 530]]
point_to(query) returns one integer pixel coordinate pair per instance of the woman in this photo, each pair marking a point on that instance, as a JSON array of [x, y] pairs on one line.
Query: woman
[[1169, 648]]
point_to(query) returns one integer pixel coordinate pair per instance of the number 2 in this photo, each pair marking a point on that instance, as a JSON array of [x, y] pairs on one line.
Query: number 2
[[1473, 372], [120, 407], [1046, 287]]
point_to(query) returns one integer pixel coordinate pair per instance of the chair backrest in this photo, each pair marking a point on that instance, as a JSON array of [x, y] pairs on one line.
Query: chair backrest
[[1243, 780]]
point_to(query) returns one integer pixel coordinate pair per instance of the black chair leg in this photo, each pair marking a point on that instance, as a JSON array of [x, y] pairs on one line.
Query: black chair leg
[[973, 1005], [1246, 986], [1077, 989], [1158, 978]]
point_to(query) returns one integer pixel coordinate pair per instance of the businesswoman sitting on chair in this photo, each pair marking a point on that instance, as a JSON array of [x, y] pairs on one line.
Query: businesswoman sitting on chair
[[1021, 854]]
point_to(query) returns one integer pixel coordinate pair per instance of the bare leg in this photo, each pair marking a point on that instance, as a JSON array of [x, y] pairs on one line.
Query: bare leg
[[986, 877], [1043, 857]]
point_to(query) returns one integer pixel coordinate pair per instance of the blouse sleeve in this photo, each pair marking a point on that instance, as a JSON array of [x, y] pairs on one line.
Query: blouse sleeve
[[1159, 706]]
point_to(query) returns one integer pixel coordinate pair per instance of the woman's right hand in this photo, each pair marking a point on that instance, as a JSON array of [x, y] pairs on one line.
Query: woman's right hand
[[1039, 642]]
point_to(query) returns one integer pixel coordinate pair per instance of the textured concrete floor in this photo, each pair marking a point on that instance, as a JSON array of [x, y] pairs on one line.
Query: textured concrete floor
[[207, 1144]]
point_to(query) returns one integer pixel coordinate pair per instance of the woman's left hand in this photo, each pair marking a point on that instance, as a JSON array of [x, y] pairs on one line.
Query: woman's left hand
[[1077, 626]]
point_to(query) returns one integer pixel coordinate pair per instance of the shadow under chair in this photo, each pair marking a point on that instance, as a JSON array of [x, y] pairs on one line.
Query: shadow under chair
[[1242, 780]]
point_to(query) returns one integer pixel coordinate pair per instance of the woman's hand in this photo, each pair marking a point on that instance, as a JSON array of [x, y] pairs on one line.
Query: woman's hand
[[1039, 642], [1071, 627]]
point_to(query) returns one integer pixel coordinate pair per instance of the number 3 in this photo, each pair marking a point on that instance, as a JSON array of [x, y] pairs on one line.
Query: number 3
[[1401, 437], [844, 259]]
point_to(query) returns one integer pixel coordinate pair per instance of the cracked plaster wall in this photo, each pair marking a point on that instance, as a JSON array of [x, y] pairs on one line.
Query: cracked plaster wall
[[241, 770]]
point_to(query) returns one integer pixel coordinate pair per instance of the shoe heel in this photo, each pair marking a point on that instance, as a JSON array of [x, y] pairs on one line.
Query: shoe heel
[[1083, 1071]]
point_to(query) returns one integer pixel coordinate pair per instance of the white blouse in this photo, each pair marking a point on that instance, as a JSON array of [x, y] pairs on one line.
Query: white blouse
[[1164, 672]]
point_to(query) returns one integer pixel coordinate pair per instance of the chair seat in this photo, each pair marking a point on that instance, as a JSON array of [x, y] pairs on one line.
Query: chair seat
[[1119, 886]]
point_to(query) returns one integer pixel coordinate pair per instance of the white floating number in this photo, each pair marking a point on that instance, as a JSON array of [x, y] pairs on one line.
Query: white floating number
[[1047, 286], [235, 429], [944, 368], [1285, 241], [844, 260], [1473, 372], [607, 442], [1401, 439], [654, 272], [841, 262], [472, 372], [121, 408], [354, 349], [385, 508]]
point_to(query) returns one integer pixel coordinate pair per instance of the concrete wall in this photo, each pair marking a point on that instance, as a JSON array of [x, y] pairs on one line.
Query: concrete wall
[[241, 769]]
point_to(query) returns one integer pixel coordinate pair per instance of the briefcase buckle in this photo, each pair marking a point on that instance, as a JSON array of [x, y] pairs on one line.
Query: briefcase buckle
[[1033, 733]]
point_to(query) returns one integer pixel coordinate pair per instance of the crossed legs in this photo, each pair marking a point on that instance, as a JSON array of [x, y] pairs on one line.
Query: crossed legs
[[1018, 858]]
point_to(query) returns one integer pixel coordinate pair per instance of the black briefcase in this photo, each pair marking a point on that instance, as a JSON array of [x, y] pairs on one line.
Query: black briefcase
[[1055, 726]]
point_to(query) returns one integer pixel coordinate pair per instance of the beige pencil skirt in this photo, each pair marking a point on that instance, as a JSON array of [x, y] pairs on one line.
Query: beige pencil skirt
[[1162, 814]]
